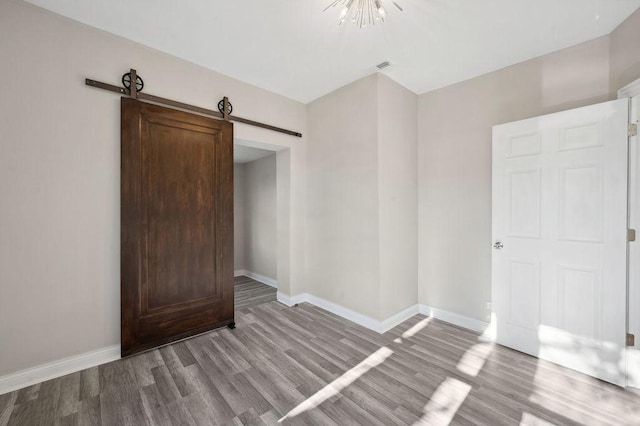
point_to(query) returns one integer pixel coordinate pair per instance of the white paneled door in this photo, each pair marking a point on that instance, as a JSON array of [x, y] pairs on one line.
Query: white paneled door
[[559, 227]]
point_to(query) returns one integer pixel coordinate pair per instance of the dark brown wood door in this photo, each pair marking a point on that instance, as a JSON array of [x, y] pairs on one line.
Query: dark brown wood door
[[176, 225]]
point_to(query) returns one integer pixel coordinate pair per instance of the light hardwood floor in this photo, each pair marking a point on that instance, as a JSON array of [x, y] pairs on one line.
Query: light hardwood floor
[[304, 365]]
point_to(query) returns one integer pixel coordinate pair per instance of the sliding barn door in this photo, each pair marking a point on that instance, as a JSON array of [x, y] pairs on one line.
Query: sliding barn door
[[559, 237], [176, 225]]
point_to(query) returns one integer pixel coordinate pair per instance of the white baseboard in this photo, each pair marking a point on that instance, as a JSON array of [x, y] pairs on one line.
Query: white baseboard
[[391, 322], [349, 314], [263, 279], [341, 311], [455, 319], [75, 363], [51, 370], [240, 273], [285, 299], [260, 278], [399, 318], [290, 300]]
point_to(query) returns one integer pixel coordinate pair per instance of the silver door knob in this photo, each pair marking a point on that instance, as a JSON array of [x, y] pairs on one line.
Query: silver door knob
[[498, 245]]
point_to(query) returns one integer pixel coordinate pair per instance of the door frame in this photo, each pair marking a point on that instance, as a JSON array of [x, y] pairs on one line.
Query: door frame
[[630, 91], [283, 210]]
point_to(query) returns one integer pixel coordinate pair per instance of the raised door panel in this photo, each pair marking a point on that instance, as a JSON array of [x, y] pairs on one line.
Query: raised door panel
[[524, 203], [524, 294], [179, 184], [581, 203]]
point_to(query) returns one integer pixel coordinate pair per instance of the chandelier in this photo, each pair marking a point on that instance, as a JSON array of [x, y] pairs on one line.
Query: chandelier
[[361, 12]]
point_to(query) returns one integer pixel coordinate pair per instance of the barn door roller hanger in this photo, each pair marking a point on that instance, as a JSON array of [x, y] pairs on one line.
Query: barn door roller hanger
[[224, 106]]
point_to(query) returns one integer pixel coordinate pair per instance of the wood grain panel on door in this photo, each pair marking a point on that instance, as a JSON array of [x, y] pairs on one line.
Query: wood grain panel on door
[[176, 225]]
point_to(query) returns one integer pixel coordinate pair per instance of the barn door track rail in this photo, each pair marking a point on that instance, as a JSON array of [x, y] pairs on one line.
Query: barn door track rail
[[224, 106]]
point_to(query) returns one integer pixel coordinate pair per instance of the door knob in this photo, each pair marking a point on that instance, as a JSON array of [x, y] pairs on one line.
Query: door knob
[[498, 245]]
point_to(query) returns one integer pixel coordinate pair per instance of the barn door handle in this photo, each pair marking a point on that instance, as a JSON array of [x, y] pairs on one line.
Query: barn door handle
[[498, 245]]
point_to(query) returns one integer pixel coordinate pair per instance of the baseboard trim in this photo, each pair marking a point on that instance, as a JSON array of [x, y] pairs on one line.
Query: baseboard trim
[[391, 322], [334, 308], [51, 370], [260, 278], [285, 299], [341, 311], [349, 314], [41, 373], [399, 318], [455, 319], [240, 273]]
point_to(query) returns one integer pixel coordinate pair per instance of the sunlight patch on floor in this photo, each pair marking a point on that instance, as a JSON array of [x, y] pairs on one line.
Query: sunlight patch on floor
[[550, 381], [444, 403], [416, 328], [490, 334], [474, 358], [334, 388], [573, 413], [531, 420]]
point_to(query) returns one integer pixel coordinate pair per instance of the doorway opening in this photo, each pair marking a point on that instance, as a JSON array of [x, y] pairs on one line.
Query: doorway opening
[[260, 214]]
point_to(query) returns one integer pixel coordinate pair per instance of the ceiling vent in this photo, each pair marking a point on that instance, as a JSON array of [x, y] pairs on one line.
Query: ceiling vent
[[383, 65]]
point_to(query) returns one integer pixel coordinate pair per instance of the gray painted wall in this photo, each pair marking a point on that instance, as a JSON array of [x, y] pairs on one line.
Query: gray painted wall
[[362, 197], [342, 198], [455, 155], [397, 196], [238, 217], [60, 177], [260, 222], [624, 53]]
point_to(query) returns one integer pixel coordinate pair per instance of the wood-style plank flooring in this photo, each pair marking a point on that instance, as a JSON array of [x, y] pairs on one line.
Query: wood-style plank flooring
[[249, 292], [304, 365]]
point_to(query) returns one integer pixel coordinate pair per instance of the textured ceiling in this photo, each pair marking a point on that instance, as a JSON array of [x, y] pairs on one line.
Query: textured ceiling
[[292, 48]]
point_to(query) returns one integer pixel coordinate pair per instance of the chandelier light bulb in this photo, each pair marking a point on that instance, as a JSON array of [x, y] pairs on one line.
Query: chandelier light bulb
[[361, 12]]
